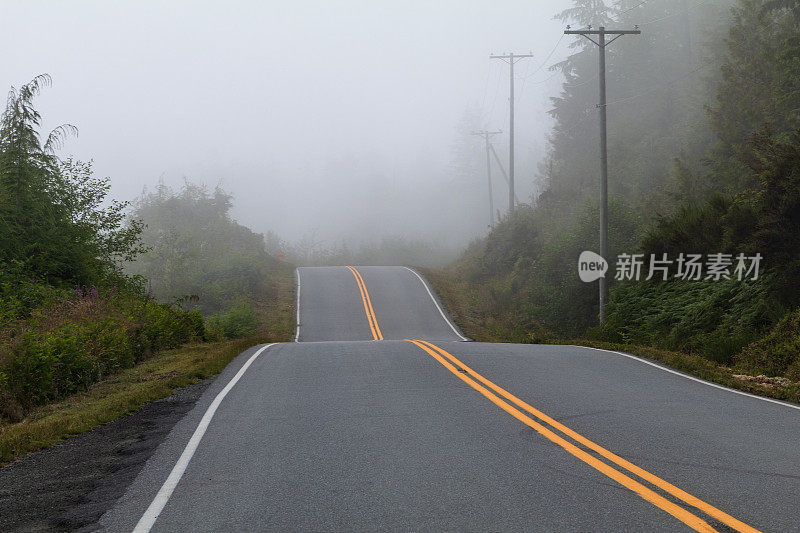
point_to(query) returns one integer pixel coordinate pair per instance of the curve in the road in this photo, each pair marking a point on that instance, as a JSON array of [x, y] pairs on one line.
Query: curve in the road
[[368, 310], [368, 303]]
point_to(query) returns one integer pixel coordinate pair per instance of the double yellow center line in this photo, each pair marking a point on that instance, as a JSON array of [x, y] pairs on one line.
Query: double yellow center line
[[545, 426], [499, 396], [373, 322]]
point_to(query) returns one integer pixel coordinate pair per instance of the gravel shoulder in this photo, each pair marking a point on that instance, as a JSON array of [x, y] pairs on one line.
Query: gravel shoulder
[[69, 486]]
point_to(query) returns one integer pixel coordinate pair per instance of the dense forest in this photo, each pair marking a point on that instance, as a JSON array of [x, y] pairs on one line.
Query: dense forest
[[704, 157]]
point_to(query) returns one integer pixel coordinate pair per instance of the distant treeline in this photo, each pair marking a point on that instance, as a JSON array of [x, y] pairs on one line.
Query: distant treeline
[[200, 258], [389, 251], [704, 148]]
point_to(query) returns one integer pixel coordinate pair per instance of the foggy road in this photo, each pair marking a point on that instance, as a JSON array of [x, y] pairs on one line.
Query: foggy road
[[356, 428]]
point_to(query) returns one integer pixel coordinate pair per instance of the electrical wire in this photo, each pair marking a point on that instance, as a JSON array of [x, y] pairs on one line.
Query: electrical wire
[[662, 18], [541, 66], [553, 51], [640, 4], [489, 113], [581, 84], [580, 122], [655, 88]]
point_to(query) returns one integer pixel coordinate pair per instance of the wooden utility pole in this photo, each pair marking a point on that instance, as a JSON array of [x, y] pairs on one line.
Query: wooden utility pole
[[486, 135], [602, 44], [511, 59], [502, 170]]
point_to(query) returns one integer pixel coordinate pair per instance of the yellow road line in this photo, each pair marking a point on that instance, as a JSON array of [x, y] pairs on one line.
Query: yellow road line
[[373, 322], [644, 474], [465, 374]]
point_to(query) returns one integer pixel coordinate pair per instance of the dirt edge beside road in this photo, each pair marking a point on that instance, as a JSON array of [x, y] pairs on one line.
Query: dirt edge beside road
[[69, 486]]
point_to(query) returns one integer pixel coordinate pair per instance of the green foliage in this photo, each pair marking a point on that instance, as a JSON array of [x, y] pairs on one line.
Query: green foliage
[[658, 85], [20, 294], [712, 319], [53, 225], [716, 319], [58, 231], [198, 253], [524, 272], [778, 353], [71, 344], [235, 322], [698, 182], [764, 219], [760, 85]]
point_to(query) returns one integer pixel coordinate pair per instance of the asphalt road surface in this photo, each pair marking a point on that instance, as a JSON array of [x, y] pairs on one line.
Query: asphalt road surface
[[355, 428]]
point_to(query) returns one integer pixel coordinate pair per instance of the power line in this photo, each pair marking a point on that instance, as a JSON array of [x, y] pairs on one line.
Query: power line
[[662, 18], [525, 79], [655, 88], [547, 58], [502, 170], [581, 84], [640, 4], [538, 82], [494, 98], [485, 88]]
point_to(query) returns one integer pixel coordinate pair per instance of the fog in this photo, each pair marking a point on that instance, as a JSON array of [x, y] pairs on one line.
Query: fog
[[346, 121]]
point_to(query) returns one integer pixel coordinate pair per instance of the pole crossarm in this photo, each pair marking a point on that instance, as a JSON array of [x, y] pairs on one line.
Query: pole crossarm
[[602, 31], [510, 57], [486, 134]]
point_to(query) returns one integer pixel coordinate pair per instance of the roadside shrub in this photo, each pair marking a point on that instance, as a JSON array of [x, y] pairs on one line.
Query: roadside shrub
[[51, 365], [75, 341], [524, 273], [19, 294], [777, 353], [197, 249], [712, 319], [235, 322], [109, 343]]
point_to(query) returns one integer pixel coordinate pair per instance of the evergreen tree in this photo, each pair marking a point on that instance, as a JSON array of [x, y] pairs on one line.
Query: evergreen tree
[[52, 221]]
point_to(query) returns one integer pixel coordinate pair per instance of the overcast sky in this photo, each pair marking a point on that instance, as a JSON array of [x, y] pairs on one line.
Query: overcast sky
[[332, 117]]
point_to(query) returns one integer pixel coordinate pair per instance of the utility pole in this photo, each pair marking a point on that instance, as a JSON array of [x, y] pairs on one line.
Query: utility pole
[[502, 170], [511, 59], [602, 44], [486, 134]]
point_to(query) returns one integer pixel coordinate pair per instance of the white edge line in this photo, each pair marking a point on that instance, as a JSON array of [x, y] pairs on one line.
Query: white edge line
[[441, 311], [297, 331], [681, 374], [157, 505]]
